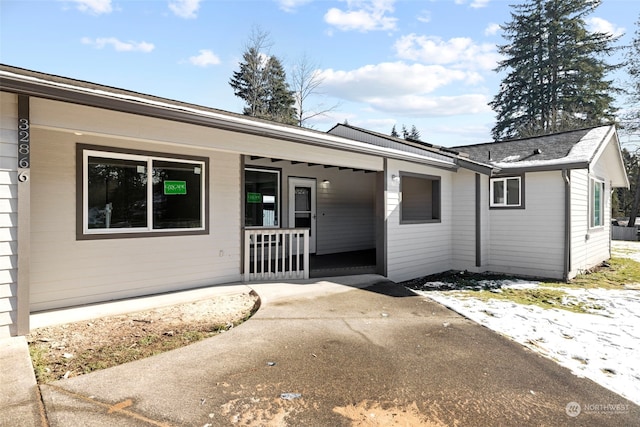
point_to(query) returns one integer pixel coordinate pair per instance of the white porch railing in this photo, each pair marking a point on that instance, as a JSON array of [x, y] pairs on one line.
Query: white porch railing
[[276, 253]]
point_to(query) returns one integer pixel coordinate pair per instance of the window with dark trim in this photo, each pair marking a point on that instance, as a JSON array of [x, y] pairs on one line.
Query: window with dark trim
[[123, 193], [596, 208], [506, 192], [261, 197], [420, 198]]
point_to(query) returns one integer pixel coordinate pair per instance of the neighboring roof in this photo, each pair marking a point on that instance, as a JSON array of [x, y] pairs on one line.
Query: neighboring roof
[[417, 147], [48, 86], [571, 149]]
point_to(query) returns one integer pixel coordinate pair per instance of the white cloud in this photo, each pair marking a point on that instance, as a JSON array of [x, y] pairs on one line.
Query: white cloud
[[429, 106], [600, 25], [185, 8], [478, 4], [424, 16], [204, 58], [291, 5], [456, 51], [95, 7], [390, 79], [363, 15], [492, 29], [119, 46]]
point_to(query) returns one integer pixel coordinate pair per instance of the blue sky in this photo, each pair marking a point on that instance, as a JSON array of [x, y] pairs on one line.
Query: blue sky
[[427, 63]]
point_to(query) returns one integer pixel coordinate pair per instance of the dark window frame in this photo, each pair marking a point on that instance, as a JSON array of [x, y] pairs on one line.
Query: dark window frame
[[82, 234], [279, 202], [436, 198]]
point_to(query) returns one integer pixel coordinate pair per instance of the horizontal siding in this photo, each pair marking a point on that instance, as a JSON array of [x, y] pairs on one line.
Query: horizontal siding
[[530, 241], [67, 272], [49, 114], [415, 250], [8, 213], [464, 220], [590, 246]]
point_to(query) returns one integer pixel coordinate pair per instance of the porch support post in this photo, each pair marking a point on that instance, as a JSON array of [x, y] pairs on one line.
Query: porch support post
[[24, 217], [478, 222], [381, 220]]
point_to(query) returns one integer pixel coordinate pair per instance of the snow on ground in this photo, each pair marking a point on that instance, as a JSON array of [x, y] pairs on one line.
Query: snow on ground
[[603, 346]]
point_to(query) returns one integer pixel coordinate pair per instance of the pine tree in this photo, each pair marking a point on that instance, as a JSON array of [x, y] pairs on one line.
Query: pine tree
[[261, 82], [279, 99], [631, 120], [249, 83], [556, 79], [414, 135], [394, 132]]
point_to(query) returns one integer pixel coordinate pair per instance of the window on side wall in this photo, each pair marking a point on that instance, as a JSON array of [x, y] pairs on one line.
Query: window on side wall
[[597, 203], [506, 192], [261, 198], [420, 201], [124, 193]]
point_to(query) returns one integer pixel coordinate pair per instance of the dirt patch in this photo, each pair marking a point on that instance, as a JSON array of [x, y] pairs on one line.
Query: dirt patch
[[73, 349], [385, 414]]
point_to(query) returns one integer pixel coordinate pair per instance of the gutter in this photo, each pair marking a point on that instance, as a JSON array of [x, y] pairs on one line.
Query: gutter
[[566, 175]]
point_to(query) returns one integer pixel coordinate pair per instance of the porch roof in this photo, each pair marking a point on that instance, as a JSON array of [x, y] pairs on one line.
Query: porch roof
[[63, 89]]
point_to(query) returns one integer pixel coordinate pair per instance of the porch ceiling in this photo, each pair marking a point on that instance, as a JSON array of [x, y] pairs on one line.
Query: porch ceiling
[[295, 162]]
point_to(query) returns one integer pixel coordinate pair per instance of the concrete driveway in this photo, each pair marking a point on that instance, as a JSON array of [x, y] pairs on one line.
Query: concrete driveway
[[349, 352]]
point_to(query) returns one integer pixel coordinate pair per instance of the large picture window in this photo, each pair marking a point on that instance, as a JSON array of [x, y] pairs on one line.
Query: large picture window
[[597, 203], [261, 198], [137, 193], [506, 192], [420, 198]]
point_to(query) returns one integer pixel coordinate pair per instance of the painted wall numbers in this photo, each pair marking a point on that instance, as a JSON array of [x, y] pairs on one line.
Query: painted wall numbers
[[24, 133]]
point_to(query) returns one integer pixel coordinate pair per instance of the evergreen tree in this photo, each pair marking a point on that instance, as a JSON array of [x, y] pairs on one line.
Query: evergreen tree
[[261, 82], [279, 99], [394, 132], [414, 135], [249, 83], [555, 78], [405, 132], [631, 120]]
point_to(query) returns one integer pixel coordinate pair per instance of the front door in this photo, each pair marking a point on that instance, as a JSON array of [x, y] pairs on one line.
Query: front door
[[302, 207]]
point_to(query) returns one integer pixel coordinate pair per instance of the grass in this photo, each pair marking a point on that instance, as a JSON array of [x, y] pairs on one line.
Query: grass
[[615, 274]]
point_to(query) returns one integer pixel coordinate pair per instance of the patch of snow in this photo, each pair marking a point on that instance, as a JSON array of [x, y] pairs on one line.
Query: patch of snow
[[602, 345], [513, 158], [581, 152]]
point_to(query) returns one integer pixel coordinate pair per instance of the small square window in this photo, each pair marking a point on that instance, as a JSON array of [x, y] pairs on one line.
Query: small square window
[[420, 201], [506, 192]]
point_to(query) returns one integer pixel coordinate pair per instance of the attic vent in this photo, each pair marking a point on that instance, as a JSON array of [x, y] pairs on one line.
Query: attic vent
[[537, 151]]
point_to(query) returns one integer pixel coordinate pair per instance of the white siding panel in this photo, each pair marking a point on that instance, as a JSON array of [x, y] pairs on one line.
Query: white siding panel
[[590, 246], [65, 271], [49, 114], [415, 250], [530, 241], [464, 220], [8, 217]]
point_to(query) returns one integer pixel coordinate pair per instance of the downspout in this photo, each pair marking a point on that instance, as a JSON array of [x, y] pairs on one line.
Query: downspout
[[566, 175]]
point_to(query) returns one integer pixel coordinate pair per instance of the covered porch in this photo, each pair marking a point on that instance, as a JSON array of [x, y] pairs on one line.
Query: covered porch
[[304, 219]]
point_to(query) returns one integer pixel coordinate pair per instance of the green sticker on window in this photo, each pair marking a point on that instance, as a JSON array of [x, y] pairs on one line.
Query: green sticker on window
[[254, 197], [175, 187]]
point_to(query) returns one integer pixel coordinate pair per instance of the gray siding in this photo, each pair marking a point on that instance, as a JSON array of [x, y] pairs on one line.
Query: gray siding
[[66, 272], [531, 241], [415, 250], [8, 214], [464, 220]]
